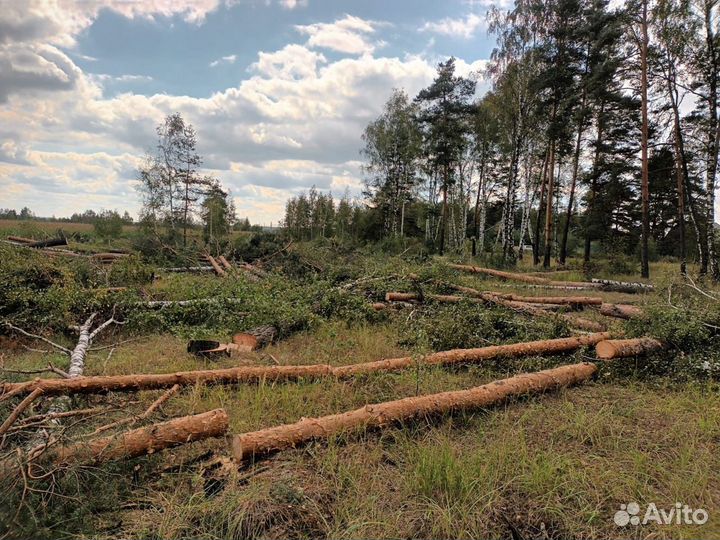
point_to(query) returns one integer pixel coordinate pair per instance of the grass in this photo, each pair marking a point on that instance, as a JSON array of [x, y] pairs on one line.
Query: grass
[[554, 466]]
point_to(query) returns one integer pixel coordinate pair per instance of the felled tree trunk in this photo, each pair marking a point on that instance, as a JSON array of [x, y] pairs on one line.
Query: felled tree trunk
[[62, 241], [225, 262], [255, 338], [132, 383], [146, 440], [219, 271], [523, 277], [168, 303], [561, 300], [621, 311], [622, 286], [266, 441], [480, 354], [188, 269], [451, 299], [623, 348]]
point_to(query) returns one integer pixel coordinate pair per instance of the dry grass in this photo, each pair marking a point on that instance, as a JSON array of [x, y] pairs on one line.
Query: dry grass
[[555, 466]]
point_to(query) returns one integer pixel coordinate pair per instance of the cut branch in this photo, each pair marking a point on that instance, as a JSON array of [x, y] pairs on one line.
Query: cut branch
[[266, 441]]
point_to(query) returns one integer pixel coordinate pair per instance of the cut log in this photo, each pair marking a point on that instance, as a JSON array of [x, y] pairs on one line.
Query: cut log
[[255, 338], [21, 239], [623, 286], [152, 381], [102, 257], [170, 303], [561, 300], [523, 277], [574, 322], [260, 443], [219, 271], [146, 440], [470, 356], [62, 241], [378, 306], [188, 269], [224, 262], [451, 299], [621, 311], [623, 348]]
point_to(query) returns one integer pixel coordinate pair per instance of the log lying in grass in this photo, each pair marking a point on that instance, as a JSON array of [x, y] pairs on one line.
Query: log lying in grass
[[524, 277], [188, 269], [622, 286], [574, 322], [194, 301], [255, 338], [108, 257], [51, 242], [470, 356], [146, 440], [623, 348], [218, 270], [621, 311], [561, 300], [153, 381], [21, 239], [451, 299], [225, 262], [259, 443]]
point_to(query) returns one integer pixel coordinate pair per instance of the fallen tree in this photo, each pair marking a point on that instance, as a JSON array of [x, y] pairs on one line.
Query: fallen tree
[[623, 286], [523, 277], [218, 270], [247, 374], [145, 440], [621, 311], [169, 303], [225, 262], [561, 300], [188, 269], [623, 348], [574, 322], [451, 299], [259, 443]]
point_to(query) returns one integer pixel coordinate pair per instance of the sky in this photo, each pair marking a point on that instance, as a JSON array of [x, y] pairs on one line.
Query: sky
[[279, 91]]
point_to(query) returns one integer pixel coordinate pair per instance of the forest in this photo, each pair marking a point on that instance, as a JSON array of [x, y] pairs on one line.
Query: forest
[[513, 331]]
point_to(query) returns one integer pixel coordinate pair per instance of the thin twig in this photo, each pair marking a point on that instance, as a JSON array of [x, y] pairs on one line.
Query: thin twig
[[35, 336], [133, 419]]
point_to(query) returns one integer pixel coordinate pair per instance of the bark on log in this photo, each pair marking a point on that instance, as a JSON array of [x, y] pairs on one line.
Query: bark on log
[[523, 277], [480, 354], [225, 262], [574, 322], [219, 271], [451, 299], [266, 441], [188, 269], [146, 440], [255, 338], [622, 286], [621, 311], [21, 239], [623, 348], [562, 300], [153, 381], [62, 241]]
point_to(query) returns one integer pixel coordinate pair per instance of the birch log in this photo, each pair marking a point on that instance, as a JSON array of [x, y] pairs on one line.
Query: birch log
[[266, 441]]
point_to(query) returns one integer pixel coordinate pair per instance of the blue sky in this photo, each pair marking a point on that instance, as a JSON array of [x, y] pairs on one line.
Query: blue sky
[[279, 91]]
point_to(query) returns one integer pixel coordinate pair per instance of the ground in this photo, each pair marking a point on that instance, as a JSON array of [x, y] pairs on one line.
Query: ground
[[553, 466]]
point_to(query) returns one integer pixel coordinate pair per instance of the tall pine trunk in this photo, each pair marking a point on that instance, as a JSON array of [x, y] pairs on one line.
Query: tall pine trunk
[[549, 207], [713, 138], [593, 182], [536, 235], [645, 263]]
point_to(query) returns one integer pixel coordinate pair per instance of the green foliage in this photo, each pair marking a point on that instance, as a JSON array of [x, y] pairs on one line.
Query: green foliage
[[108, 225]]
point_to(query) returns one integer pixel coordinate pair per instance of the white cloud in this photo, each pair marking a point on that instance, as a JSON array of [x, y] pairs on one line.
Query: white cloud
[[230, 59], [350, 35], [292, 4], [463, 27]]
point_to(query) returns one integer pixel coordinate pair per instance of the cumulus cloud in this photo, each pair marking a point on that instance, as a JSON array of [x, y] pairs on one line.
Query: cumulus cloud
[[292, 4], [230, 59], [293, 122], [462, 27], [349, 35]]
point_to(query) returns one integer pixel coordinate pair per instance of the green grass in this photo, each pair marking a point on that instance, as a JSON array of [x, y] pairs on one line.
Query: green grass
[[551, 466]]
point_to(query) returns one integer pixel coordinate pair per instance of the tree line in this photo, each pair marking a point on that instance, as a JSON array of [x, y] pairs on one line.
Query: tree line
[[599, 132]]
